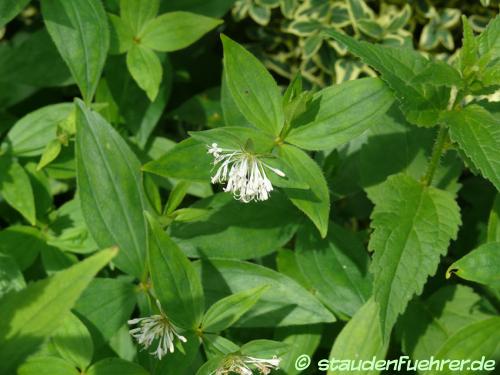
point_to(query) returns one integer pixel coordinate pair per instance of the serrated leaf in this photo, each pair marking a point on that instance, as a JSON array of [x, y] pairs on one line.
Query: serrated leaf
[[226, 311], [336, 267], [145, 67], [422, 104], [175, 30], [253, 89], [9, 9], [477, 132], [15, 188], [24, 326], [481, 265], [314, 202], [439, 73], [489, 40], [340, 113], [110, 189], [136, 13], [413, 225], [81, 34], [360, 338], [175, 281]]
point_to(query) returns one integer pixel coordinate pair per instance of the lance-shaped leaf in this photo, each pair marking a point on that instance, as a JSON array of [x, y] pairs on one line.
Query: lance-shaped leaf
[[489, 40], [110, 188], [340, 113], [32, 314], [145, 67], [80, 31], [42, 365], [252, 87], [421, 103], [10, 8], [176, 30], [413, 226], [314, 202], [481, 265], [175, 281], [360, 339], [477, 132]]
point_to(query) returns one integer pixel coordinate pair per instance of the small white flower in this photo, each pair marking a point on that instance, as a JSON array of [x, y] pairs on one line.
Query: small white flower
[[156, 327], [235, 364], [244, 173]]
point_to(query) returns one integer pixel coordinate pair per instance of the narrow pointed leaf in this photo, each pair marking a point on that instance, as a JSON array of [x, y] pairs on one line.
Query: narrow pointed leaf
[[145, 67]]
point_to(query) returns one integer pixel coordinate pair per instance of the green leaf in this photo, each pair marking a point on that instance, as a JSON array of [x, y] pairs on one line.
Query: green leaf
[[16, 237], [121, 37], [11, 278], [340, 113], [51, 152], [314, 202], [15, 188], [73, 343], [493, 222], [468, 53], [110, 189], [481, 265], [489, 40], [231, 229], [47, 366], [413, 226], [106, 318], [176, 30], [477, 340], [264, 348], [227, 311], [145, 67], [336, 267], [360, 339], [477, 132], [81, 34], [175, 281], [253, 89], [176, 196], [421, 103], [116, 366], [30, 135], [439, 73], [9, 9], [286, 303], [25, 326], [136, 13], [214, 8]]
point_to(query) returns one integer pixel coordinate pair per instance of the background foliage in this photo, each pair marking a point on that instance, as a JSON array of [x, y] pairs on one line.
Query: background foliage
[[383, 239]]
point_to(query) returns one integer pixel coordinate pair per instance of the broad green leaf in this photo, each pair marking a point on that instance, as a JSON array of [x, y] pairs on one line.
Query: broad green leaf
[[121, 36], [225, 312], [175, 281], [145, 67], [110, 189], [73, 343], [489, 40], [16, 237], [230, 111], [421, 103], [481, 265], [253, 88], [413, 226], [81, 34], [264, 348], [340, 113], [15, 188], [188, 160], [314, 202], [336, 267], [427, 324], [216, 345], [106, 318], [213, 8], [9, 9], [136, 13], [11, 278], [493, 222], [116, 366], [477, 132], [285, 303], [30, 135], [439, 73], [47, 366], [477, 340], [176, 30], [231, 229], [25, 326], [360, 339]]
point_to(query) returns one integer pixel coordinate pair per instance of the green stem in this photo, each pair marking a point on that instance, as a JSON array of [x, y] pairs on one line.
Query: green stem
[[437, 152]]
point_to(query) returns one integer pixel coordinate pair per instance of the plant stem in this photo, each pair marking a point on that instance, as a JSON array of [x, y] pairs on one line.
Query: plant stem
[[437, 152]]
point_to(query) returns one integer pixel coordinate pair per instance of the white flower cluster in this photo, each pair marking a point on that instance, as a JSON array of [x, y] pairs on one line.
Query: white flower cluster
[[156, 327], [244, 173], [242, 365]]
